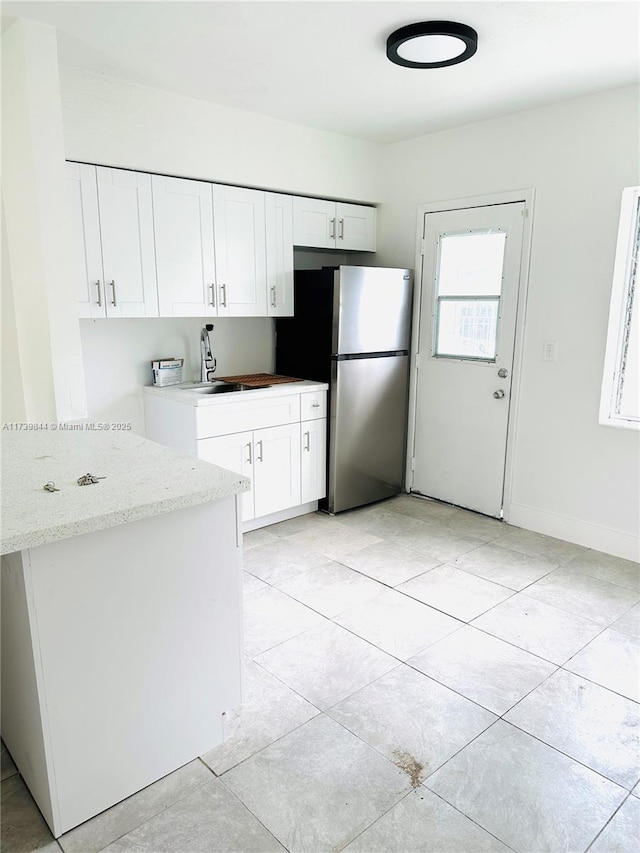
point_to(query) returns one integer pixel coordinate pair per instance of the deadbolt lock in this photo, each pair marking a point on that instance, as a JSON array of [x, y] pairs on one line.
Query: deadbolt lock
[[503, 373]]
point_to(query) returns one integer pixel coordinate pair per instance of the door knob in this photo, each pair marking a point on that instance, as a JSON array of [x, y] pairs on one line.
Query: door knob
[[498, 394], [503, 373]]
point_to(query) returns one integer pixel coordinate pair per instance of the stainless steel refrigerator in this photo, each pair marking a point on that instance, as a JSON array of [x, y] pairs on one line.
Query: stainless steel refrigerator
[[351, 328]]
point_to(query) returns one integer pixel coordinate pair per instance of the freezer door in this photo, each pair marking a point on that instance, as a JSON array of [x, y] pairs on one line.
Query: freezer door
[[367, 430], [372, 309]]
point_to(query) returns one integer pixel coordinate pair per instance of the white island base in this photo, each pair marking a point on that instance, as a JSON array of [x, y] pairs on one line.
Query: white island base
[[121, 649]]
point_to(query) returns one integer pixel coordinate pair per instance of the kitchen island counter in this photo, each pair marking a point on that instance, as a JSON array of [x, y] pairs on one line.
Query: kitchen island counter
[[142, 479], [121, 615]]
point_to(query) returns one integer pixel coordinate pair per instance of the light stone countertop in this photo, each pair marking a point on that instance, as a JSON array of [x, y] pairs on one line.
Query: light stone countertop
[[182, 394], [143, 479]]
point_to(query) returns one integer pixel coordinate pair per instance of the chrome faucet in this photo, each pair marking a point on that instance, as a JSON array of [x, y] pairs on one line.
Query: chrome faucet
[[207, 361]]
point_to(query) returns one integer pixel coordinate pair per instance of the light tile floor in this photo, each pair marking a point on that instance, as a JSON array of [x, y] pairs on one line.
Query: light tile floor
[[418, 678]]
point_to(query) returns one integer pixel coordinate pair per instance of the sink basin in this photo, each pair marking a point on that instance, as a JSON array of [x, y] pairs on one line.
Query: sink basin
[[214, 388]]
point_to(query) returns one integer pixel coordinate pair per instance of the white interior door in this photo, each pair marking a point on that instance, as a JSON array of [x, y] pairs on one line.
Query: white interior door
[[470, 284]]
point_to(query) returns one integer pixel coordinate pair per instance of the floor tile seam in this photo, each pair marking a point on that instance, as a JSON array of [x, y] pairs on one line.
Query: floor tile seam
[[352, 734], [288, 686], [564, 668], [374, 822], [14, 772], [351, 607], [585, 574], [557, 749], [384, 583], [454, 690], [242, 761], [468, 817], [514, 645], [536, 554], [444, 612], [254, 815], [391, 654], [599, 833], [409, 547], [489, 580], [564, 589], [555, 565], [156, 814], [354, 607]]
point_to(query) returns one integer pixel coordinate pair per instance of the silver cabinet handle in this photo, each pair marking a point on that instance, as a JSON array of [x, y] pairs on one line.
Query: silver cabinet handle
[[113, 292], [273, 297], [259, 458], [498, 394], [250, 459], [315, 405], [333, 229], [307, 441], [223, 295], [341, 234], [213, 295], [98, 285]]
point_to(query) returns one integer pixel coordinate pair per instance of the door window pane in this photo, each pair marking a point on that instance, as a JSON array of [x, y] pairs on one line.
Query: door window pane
[[467, 328], [468, 288], [471, 264]]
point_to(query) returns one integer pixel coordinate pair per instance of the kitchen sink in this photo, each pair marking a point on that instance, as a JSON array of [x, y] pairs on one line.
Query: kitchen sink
[[214, 388]]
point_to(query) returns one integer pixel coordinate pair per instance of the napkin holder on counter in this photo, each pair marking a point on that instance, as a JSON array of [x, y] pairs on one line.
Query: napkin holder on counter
[[167, 371]]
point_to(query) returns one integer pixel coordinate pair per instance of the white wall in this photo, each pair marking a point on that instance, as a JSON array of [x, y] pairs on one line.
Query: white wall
[[117, 356], [118, 124], [572, 477], [39, 290]]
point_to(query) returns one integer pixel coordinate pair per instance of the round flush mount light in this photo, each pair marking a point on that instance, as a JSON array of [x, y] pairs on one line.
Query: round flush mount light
[[432, 44]]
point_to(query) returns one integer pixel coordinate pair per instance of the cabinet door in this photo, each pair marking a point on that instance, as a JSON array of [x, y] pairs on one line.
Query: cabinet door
[[241, 274], [313, 439], [87, 250], [276, 453], [235, 453], [356, 227], [279, 227], [314, 223], [128, 251], [185, 260]]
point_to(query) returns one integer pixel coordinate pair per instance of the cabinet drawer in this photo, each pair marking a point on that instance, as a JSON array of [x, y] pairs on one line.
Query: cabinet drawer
[[243, 415], [313, 405]]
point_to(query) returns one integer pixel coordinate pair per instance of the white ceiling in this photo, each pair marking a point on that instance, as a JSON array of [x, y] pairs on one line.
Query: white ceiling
[[323, 63]]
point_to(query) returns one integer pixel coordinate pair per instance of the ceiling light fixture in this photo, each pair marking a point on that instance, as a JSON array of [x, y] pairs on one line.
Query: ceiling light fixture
[[432, 44]]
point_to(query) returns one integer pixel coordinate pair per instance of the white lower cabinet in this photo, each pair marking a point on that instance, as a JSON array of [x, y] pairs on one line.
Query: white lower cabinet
[[270, 457], [276, 439], [313, 456]]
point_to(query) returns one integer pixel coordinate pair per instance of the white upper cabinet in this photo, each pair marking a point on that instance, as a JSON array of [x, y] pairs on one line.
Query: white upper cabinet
[[241, 267], [279, 231], [356, 227], [87, 249], [128, 252], [114, 255], [322, 224], [185, 258]]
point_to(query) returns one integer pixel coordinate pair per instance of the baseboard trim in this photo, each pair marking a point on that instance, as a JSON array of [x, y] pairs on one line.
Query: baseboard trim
[[275, 517], [594, 536]]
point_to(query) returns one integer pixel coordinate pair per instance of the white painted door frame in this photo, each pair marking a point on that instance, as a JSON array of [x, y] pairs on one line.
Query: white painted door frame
[[526, 196]]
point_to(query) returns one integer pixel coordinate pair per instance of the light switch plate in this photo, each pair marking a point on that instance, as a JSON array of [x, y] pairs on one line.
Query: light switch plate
[[550, 351]]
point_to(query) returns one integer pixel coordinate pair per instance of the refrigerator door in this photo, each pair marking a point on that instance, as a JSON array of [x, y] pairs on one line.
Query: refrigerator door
[[371, 309], [367, 430]]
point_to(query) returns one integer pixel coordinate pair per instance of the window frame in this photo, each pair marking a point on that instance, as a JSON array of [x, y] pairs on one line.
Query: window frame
[[437, 299], [624, 302]]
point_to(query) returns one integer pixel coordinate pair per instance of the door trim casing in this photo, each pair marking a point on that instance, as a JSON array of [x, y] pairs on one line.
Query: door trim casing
[[509, 197]]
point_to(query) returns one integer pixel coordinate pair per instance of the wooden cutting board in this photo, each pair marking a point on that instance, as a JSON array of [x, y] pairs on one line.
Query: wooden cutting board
[[258, 380]]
